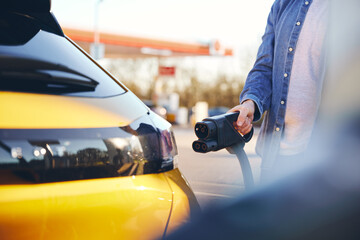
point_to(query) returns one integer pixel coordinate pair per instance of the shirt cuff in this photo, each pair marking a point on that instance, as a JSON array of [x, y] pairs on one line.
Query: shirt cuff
[[258, 108]]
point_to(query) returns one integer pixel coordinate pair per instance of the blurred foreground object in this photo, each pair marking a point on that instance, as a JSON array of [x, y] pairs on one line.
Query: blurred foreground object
[[321, 200]]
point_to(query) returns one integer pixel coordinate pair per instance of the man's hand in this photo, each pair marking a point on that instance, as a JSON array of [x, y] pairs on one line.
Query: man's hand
[[244, 122]]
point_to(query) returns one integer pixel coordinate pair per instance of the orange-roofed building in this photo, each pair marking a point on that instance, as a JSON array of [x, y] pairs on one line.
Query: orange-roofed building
[[119, 46]]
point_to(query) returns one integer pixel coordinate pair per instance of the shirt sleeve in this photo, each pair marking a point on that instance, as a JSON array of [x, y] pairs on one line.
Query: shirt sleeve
[[259, 80]]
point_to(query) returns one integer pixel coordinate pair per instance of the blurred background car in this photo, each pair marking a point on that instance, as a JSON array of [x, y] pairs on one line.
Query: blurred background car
[[217, 111], [81, 157], [159, 110]]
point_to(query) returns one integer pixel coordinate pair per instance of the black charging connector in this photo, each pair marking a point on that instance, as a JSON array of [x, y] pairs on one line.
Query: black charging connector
[[218, 132]]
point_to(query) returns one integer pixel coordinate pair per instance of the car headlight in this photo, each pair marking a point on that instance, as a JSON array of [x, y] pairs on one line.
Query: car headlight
[[46, 155]]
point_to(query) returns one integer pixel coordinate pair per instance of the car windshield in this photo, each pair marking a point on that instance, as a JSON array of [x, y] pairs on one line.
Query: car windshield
[[35, 60]]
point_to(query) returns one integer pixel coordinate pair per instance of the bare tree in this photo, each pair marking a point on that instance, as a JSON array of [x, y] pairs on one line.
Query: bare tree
[[139, 75]]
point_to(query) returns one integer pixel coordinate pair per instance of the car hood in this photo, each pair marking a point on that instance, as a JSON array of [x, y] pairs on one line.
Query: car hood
[[41, 111]]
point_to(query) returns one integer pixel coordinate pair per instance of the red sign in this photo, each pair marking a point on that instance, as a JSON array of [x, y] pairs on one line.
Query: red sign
[[166, 71]]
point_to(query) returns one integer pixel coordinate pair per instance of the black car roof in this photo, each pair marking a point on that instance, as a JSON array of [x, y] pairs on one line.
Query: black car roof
[[26, 6], [36, 9]]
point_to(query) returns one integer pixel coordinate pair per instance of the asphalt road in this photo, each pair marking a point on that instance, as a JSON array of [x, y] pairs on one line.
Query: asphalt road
[[215, 177]]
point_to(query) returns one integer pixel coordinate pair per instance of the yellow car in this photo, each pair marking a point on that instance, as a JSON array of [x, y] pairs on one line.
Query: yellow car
[[81, 157]]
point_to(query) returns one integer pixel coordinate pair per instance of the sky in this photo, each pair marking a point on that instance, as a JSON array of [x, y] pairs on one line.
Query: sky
[[238, 24]]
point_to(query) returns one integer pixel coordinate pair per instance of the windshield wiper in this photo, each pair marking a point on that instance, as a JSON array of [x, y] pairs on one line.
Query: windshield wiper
[[48, 76], [18, 73]]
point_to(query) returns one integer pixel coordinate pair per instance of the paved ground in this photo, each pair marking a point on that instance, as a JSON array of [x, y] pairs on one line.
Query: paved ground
[[215, 177]]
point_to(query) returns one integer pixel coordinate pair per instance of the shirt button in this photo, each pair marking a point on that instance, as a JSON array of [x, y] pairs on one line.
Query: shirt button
[[282, 102], [298, 23], [291, 49], [285, 74], [277, 129], [307, 3]]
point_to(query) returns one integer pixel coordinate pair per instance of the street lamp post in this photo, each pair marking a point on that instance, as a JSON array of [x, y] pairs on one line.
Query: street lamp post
[[96, 22], [97, 49]]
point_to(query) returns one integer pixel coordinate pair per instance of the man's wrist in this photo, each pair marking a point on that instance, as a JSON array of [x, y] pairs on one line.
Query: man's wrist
[[250, 104]]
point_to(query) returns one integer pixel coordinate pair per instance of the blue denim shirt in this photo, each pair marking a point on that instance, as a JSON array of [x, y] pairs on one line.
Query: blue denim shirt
[[268, 82]]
